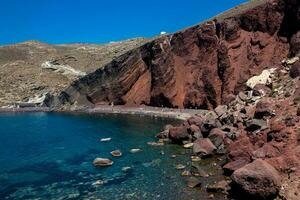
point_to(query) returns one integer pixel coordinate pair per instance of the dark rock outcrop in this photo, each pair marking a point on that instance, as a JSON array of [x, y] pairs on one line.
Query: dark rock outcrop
[[199, 67]]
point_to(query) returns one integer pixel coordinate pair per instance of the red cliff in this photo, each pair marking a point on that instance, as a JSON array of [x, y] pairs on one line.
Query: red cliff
[[199, 67]]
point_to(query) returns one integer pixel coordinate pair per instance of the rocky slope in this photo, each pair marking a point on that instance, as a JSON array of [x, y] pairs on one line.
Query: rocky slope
[[30, 69], [258, 132], [199, 67]]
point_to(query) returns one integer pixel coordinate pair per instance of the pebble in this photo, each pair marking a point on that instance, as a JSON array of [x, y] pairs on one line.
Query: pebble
[[188, 145]]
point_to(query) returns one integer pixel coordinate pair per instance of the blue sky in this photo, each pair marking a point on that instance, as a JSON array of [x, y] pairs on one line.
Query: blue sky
[[100, 21]]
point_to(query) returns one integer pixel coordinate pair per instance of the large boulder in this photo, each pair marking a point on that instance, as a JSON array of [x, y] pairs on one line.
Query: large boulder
[[178, 134], [257, 179], [204, 147]]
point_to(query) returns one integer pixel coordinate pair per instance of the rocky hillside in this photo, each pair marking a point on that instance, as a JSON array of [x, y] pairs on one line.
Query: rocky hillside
[[30, 69], [199, 67], [258, 134]]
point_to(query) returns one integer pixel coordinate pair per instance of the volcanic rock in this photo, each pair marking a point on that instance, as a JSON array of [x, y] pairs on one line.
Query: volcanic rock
[[258, 179], [204, 147], [102, 162], [116, 153], [216, 136], [199, 67], [178, 134], [263, 109]]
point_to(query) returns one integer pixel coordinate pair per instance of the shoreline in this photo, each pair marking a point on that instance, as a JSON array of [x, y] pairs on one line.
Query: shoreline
[[180, 114]]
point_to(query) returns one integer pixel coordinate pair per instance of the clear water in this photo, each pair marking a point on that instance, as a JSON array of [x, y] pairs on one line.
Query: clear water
[[49, 156]]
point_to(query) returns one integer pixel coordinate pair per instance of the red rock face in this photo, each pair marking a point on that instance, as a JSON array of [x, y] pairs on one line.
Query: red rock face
[[199, 67]]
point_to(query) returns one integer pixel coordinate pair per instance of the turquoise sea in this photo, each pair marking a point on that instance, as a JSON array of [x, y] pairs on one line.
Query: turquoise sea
[[49, 156]]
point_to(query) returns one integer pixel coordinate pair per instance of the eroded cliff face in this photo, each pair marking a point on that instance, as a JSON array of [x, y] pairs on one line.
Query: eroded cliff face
[[199, 67]]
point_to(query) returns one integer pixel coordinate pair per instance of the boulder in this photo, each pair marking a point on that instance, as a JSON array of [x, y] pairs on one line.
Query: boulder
[[102, 162], [204, 147], [178, 134], [258, 179], [216, 136]]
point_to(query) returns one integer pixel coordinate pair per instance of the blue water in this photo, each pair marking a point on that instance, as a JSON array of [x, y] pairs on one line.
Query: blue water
[[49, 156]]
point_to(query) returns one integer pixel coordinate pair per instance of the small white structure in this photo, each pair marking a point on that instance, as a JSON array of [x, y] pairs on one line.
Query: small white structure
[[163, 33]]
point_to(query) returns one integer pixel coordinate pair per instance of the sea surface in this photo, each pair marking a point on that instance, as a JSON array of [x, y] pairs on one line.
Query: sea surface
[[49, 156]]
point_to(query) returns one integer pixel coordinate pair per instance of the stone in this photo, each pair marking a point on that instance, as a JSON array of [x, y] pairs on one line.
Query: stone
[[195, 159], [102, 162], [261, 90], [264, 78], [193, 129], [196, 120], [221, 186], [186, 173], [105, 139], [243, 96], [216, 136], [258, 179], [263, 109], [256, 124], [116, 153], [210, 121], [188, 145], [178, 134], [135, 150], [221, 110], [193, 182], [180, 166], [204, 147]]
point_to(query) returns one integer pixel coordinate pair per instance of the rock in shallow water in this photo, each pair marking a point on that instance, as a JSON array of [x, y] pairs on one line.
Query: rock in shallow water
[[105, 139], [102, 162], [116, 153], [135, 150]]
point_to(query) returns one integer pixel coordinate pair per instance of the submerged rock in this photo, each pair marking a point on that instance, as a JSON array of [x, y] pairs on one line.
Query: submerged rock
[[180, 166], [105, 139], [135, 150], [221, 186], [193, 182], [102, 162], [116, 153]]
